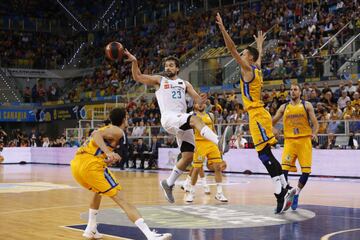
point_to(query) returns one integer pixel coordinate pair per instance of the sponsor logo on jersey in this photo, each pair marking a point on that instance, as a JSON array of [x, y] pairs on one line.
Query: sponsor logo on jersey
[[166, 86]]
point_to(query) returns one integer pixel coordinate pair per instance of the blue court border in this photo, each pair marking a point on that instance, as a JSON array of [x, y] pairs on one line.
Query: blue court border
[[327, 220]]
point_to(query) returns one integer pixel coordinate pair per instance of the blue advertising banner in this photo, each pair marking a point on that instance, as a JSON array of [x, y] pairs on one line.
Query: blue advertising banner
[[9, 115], [61, 113]]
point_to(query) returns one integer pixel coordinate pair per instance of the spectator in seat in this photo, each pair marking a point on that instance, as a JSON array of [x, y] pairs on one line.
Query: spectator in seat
[[306, 91], [330, 142], [240, 141], [349, 111], [314, 99], [343, 100], [338, 92], [356, 99], [140, 149], [154, 153], [27, 95], [350, 88]]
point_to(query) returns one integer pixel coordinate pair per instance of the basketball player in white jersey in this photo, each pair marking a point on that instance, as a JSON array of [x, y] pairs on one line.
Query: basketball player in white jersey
[[170, 94]]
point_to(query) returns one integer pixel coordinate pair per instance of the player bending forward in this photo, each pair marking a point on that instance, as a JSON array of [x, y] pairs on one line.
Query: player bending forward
[[89, 168]]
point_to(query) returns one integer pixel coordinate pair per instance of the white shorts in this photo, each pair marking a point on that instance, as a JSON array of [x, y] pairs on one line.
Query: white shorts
[[172, 122]]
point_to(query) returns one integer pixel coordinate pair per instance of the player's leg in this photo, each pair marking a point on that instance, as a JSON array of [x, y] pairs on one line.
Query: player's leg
[[194, 177], [305, 160], [215, 161], [91, 228], [283, 195], [203, 181], [218, 179], [288, 158], [206, 132], [80, 175], [187, 181], [261, 131], [187, 146], [134, 216]]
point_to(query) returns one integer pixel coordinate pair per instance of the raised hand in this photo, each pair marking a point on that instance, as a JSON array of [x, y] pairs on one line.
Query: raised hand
[[219, 21], [130, 57], [260, 38]]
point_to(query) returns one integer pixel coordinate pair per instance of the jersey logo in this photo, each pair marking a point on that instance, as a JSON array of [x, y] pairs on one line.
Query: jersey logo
[[180, 82], [166, 86]]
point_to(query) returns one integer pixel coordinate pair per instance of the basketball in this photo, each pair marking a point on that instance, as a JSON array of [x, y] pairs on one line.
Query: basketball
[[1, 159], [114, 51]]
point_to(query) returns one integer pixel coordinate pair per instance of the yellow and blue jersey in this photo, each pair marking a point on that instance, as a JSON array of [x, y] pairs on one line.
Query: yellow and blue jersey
[[92, 148], [296, 121], [251, 91]]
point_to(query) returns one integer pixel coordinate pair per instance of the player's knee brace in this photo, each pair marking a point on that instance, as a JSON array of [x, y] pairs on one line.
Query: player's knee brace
[[270, 162], [303, 178]]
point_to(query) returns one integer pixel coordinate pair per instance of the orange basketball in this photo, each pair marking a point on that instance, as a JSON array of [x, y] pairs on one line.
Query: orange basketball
[[114, 51]]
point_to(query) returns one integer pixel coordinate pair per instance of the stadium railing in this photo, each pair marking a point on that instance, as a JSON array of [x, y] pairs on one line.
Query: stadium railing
[[340, 130]]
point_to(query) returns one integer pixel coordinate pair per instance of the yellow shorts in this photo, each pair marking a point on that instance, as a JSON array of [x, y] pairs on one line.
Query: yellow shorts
[[92, 173], [297, 148], [206, 150], [260, 124]]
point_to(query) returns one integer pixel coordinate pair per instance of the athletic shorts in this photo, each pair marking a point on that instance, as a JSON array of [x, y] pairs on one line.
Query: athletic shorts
[[172, 123], [260, 124], [297, 148], [92, 173], [206, 150]]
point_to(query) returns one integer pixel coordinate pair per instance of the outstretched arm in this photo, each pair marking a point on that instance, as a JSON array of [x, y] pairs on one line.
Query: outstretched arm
[[231, 45], [110, 133], [136, 73], [259, 44], [199, 99]]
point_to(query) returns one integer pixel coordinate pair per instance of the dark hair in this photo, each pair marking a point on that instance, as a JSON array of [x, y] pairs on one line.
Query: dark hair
[[173, 58], [106, 122], [253, 52], [117, 116]]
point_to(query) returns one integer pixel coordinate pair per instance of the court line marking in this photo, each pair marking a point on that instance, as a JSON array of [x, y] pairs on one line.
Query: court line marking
[[60, 207], [328, 236], [79, 230]]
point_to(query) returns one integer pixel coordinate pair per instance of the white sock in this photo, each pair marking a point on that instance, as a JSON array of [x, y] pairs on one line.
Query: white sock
[[277, 184], [188, 179], [218, 188], [175, 174], [207, 133], [298, 190], [284, 183], [203, 180], [92, 218], [192, 189], [140, 223]]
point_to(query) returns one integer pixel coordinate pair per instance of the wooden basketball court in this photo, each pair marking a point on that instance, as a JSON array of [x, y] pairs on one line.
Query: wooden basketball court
[[39, 201]]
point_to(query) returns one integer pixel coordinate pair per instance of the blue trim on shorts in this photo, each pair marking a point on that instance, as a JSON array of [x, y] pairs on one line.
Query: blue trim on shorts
[[263, 132], [109, 178]]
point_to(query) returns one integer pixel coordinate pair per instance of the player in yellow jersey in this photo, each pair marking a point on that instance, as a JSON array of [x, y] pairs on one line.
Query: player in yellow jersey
[[297, 115], [89, 168], [260, 122], [205, 150]]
